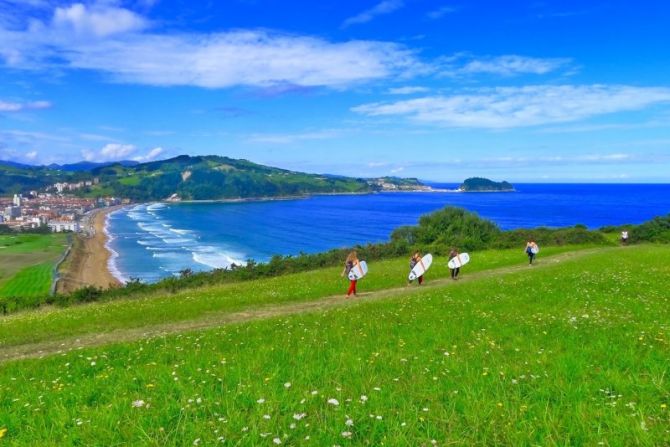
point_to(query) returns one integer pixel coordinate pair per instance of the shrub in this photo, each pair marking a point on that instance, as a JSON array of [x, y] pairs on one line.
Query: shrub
[[655, 230]]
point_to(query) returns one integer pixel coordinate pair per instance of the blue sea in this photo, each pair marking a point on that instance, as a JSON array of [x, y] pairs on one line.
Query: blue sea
[[153, 241]]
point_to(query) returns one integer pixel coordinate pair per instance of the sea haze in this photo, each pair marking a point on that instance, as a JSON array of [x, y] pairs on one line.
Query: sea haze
[[154, 241]]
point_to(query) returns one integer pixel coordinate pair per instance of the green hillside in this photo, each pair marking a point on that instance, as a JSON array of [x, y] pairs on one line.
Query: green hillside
[[193, 178], [15, 179], [572, 351], [26, 264]]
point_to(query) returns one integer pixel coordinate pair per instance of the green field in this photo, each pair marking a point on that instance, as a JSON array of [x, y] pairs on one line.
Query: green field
[[572, 351], [27, 261]]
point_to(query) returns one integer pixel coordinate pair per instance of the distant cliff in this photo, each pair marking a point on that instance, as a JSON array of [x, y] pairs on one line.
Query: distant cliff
[[479, 184]]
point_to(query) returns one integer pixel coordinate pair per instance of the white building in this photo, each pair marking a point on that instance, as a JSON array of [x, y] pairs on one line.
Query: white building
[[12, 212], [17, 200], [60, 226]]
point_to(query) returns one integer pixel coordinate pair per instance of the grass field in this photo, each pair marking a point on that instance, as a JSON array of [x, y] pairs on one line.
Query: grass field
[[208, 302], [573, 351], [26, 263]]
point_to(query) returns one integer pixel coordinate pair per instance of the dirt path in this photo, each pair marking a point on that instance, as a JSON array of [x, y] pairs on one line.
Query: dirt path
[[212, 320]]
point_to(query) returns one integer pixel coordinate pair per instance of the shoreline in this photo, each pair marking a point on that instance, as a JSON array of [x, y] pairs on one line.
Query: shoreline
[[296, 197], [89, 261]]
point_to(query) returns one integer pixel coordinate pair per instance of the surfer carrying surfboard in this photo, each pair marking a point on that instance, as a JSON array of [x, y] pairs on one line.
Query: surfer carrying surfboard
[[413, 261], [351, 262], [531, 250], [624, 237], [454, 271]]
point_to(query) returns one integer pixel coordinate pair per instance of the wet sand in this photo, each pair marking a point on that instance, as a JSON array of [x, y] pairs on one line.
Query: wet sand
[[87, 264]]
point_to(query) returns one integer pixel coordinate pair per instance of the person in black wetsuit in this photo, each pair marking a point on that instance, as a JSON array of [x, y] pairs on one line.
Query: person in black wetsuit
[[531, 249], [454, 272]]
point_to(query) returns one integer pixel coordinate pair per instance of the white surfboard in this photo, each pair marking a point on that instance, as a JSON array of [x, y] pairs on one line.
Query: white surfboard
[[421, 267], [535, 249], [358, 271], [459, 261]]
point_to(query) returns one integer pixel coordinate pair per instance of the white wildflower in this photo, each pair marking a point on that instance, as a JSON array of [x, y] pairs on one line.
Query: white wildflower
[[333, 402], [138, 403]]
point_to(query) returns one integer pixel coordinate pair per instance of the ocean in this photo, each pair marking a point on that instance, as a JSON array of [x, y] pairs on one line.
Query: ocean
[[154, 241]]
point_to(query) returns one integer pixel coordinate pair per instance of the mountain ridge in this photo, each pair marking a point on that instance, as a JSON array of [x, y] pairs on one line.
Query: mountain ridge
[[185, 177]]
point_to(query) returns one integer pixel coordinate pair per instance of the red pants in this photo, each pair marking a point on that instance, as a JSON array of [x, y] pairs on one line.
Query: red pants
[[352, 287]]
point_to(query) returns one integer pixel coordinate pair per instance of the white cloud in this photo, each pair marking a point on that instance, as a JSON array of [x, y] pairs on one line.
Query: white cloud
[[98, 21], [117, 151], [120, 152], [115, 41], [32, 137], [466, 64], [22, 106], [32, 155], [509, 65], [562, 159], [409, 90], [151, 155], [110, 152], [381, 8], [508, 107], [440, 12]]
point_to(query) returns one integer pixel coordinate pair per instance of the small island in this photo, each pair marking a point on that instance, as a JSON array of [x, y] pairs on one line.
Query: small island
[[479, 184]]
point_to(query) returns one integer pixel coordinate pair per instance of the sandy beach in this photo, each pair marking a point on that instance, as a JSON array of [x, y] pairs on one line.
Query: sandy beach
[[87, 264]]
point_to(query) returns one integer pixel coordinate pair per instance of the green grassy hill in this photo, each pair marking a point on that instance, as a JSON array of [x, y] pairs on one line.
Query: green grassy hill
[[191, 178], [571, 351]]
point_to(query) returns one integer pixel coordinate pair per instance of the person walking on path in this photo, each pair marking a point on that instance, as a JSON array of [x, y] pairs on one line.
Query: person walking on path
[[531, 251], [454, 272], [624, 237], [413, 261], [350, 263]]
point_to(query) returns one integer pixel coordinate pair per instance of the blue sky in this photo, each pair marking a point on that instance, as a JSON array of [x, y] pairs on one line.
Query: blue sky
[[547, 91]]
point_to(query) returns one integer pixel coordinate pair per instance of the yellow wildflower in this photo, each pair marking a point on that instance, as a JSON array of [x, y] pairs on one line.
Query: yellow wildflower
[[3, 432]]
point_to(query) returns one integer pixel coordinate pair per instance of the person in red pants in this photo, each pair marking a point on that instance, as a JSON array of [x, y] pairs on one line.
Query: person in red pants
[[413, 261], [352, 260]]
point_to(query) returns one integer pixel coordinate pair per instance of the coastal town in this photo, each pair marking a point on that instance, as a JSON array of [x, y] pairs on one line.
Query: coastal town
[[56, 208]]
